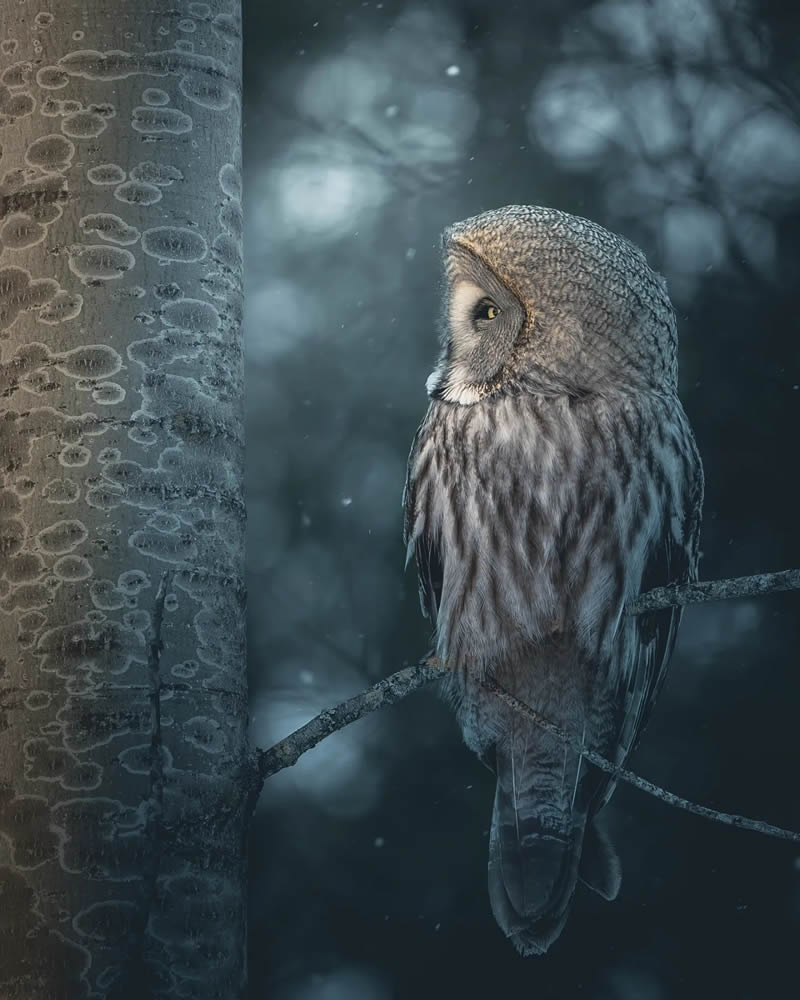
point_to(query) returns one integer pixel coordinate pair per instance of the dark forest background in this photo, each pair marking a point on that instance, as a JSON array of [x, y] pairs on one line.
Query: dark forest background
[[369, 127]]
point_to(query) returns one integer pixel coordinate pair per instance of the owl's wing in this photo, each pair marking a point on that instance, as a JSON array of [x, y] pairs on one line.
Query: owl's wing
[[671, 559], [430, 573], [418, 538]]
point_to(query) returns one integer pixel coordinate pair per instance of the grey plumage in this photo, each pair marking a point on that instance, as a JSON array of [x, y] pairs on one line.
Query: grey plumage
[[554, 477]]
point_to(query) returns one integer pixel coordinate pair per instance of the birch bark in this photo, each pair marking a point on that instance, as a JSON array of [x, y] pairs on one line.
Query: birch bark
[[122, 709]]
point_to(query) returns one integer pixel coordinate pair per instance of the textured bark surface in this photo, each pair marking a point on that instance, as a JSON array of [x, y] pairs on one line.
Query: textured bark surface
[[122, 710]]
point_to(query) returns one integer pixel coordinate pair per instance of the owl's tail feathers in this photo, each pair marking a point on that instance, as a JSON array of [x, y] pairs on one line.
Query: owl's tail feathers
[[534, 855], [600, 868]]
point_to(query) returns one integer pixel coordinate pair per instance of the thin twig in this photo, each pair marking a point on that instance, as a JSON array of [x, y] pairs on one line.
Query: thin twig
[[714, 590], [137, 976], [392, 689], [385, 692], [154, 823], [156, 801], [622, 774]]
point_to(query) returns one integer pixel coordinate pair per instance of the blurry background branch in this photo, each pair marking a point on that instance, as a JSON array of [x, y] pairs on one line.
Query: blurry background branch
[[391, 689]]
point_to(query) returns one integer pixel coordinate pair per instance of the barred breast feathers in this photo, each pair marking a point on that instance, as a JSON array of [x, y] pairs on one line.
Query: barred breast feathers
[[542, 509]]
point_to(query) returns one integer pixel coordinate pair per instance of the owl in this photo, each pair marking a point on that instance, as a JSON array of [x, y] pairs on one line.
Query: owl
[[554, 478]]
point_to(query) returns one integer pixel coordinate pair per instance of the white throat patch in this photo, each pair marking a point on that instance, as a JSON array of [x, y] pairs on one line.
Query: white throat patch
[[454, 374]]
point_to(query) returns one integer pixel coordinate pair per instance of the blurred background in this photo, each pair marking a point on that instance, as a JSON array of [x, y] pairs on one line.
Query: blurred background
[[369, 127]]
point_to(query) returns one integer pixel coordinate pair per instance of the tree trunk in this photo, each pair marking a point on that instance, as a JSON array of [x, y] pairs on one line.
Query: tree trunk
[[123, 709]]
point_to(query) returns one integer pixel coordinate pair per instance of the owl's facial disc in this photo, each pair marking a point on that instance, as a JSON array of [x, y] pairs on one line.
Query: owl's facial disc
[[482, 322], [469, 312]]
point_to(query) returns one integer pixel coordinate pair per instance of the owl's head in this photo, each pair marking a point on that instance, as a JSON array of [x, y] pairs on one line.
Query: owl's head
[[541, 301]]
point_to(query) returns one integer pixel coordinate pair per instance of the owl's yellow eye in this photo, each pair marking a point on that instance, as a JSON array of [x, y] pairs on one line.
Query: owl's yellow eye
[[486, 309]]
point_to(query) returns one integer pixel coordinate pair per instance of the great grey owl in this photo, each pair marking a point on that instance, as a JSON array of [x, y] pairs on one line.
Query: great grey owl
[[554, 478]]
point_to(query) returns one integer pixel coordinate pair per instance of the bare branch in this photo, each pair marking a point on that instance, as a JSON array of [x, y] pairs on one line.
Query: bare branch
[[154, 821], [156, 799], [622, 774], [715, 590], [385, 692], [391, 689], [138, 974]]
